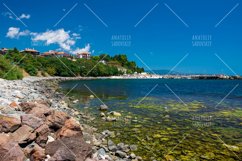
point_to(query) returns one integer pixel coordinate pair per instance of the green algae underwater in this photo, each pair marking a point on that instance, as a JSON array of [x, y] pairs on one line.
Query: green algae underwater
[[194, 124]]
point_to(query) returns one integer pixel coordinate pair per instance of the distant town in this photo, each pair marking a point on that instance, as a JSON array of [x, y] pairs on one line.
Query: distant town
[[51, 53]]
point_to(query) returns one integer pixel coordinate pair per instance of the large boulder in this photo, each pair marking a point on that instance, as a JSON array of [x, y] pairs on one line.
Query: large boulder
[[23, 135], [56, 120], [39, 110], [63, 154], [34, 152], [69, 148], [44, 102], [27, 106], [31, 121], [9, 124], [72, 124], [38, 155], [11, 151], [4, 138], [70, 128], [42, 135], [103, 107]]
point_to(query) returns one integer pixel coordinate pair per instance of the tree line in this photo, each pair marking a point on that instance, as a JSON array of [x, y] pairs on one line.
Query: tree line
[[13, 63]]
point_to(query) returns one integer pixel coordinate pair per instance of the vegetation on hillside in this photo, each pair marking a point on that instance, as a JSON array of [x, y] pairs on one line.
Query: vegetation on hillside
[[53, 66], [9, 71]]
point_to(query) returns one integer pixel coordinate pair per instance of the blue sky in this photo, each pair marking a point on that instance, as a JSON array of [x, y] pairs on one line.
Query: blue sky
[[160, 33]]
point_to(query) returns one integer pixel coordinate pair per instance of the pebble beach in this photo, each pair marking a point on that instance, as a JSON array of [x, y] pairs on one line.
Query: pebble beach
[[37, 123]]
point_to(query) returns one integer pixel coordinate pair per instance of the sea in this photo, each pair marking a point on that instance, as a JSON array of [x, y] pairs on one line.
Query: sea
[[168, 119]]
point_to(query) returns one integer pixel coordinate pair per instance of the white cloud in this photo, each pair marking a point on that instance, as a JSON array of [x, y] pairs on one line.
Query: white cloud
[[76, 35], [81, 50], [61, 37], [11, 16], [52, 37], [14, 33], [64, 39], [8, 14], [24, 16]]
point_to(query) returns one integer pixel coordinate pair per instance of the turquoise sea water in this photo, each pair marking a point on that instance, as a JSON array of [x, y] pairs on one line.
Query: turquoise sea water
[[168, 119]]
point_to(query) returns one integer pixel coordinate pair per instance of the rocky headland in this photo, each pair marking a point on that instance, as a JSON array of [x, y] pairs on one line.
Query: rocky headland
[[37, 124]]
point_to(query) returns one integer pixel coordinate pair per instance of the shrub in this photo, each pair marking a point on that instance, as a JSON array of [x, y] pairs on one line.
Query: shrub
[[8, 70], [51, 71], [31, 70]]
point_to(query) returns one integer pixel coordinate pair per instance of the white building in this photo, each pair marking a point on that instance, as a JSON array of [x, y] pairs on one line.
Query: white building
[[84, 55]]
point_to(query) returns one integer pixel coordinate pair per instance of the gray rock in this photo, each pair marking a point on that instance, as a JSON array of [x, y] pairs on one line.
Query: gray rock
[[120, 146], [110, 119], [139, 158], [103, 107], [132, 156], [121, 154], [133, 147], [112, 148], [34, 96], [101, 153], [105, 148], [110, 143], [108, 133], [102, 114], [75, 101], [19, 95], [126, 148]]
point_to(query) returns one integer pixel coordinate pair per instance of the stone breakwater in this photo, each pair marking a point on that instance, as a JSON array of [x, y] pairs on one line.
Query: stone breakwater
[[37, 124]]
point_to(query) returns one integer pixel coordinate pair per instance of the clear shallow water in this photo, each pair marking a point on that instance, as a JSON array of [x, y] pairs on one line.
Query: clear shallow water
[[177, 120]]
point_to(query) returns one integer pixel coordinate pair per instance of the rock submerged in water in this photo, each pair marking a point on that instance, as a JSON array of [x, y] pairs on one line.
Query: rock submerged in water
[[102, 114], [110, 119], [132, 156], [114, 113], [75, 101], [208, 156], [133, 147], [107, 133], [232, 147], [103, 107]]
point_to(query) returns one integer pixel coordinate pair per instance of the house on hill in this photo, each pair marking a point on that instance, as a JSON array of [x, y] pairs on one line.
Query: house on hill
[[60, 54], [84, 55], [52, 53], [68, 56], [3, 51], [30, 51], [48, 54]]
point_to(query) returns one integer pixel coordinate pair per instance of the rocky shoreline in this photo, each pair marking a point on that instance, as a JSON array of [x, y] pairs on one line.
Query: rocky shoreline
[[37, 124]]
